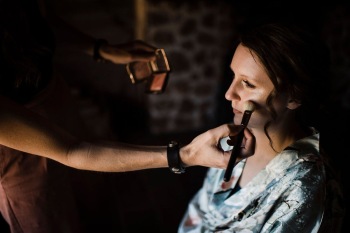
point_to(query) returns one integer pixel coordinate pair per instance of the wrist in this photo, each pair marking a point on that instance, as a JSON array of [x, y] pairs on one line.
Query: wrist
[[174, 160], [184, 156]]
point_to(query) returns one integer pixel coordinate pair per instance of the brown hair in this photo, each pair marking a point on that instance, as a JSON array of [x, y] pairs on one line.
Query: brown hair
[[296, 63]]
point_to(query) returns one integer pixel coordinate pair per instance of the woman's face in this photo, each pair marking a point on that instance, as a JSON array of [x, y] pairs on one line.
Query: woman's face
[[251, 83]]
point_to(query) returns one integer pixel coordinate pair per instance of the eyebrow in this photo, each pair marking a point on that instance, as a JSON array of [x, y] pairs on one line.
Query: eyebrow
[[252, 78]]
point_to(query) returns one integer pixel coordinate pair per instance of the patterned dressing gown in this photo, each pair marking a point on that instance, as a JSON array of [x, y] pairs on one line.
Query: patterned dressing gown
[[289, 195]]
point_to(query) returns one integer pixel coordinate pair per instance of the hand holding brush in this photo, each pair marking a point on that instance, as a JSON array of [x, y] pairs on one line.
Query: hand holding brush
[[249, 108]]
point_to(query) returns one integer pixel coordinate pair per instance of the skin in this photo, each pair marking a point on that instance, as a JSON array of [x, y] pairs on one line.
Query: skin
[[26, 131], [128, 52], [251, 83]]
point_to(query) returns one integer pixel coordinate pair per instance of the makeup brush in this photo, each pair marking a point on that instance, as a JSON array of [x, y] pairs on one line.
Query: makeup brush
[[248, 110]]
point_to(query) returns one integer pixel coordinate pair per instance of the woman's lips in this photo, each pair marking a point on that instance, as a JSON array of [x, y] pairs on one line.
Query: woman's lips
[[235, 111]]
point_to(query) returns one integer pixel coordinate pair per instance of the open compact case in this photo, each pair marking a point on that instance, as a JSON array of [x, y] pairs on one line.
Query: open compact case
[[154, 73]]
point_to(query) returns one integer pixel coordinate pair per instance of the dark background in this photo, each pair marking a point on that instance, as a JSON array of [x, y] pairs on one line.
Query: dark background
[[155, 200]]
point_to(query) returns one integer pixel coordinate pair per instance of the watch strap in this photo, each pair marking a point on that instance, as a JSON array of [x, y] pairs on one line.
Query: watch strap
[[173, 156]]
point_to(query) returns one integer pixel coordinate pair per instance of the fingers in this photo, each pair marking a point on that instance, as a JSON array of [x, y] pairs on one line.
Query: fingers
[[143, 56], [134, 51], [140, 51], [122, 56], [137, 45], [249, 144], [234, 130], [219, 132], [203, 149]]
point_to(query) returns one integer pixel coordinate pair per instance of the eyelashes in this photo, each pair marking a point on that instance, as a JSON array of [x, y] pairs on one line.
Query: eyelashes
[[247, 84]]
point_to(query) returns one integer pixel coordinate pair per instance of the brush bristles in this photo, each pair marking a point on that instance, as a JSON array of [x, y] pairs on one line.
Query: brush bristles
[[249, 106]]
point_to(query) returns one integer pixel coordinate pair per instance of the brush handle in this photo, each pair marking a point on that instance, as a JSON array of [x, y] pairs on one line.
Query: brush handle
[[234, 155], [237, 147]]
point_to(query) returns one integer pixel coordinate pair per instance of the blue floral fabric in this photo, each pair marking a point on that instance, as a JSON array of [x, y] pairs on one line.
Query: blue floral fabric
[[289, 195]]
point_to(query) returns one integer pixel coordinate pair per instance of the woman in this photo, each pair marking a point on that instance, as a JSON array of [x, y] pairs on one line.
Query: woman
[[283, 183]]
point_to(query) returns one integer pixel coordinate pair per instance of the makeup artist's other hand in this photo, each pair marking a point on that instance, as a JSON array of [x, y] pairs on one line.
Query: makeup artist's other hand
[[204, 150], [133, 51]]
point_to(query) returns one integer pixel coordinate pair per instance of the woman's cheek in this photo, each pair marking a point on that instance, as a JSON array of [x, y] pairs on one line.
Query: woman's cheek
[[258, 98], [259, 118], [261, 114]]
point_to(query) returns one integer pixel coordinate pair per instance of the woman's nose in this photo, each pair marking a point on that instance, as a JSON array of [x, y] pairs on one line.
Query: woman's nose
[[231, 93]]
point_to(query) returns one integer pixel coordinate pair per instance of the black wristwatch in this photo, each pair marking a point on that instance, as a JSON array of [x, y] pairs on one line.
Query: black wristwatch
[[174, 160]]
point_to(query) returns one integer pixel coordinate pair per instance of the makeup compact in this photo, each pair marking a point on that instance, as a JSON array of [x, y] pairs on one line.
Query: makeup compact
[[154, 73]]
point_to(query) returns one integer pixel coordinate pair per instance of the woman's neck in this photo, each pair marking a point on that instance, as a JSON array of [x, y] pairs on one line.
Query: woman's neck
[[267, 149], [280, 136]]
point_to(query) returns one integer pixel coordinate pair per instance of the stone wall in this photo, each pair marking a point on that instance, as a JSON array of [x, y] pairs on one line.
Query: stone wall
[[196, 36]]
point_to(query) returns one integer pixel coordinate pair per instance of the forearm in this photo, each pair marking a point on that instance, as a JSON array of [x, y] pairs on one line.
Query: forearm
[[116, 157], [26, 131]]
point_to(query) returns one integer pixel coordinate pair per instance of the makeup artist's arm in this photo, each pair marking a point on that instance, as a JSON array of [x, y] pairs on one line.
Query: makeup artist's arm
[[26, 131], [202, 151]]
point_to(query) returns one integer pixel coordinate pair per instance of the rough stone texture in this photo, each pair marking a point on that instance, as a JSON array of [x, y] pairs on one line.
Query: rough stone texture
[[196, 44]]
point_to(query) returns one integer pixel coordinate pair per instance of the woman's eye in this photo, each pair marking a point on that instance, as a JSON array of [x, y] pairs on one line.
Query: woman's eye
[[248, 84]]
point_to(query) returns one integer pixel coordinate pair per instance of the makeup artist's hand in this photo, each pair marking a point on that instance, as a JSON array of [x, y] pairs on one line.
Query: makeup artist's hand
[[137, 50], [204, 150], [248, 142]]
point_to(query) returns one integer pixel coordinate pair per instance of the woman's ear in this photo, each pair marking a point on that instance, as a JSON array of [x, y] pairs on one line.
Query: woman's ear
[[293, 104]]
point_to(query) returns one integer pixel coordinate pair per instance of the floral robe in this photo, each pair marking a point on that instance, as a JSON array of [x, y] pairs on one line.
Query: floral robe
[[289, 195]]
